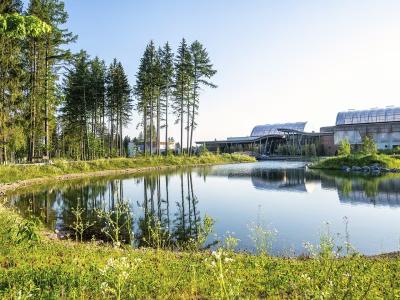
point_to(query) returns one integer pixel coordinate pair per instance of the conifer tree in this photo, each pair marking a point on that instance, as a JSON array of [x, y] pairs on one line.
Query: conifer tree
[[95, 98], [167, 70], [182, 86], [146, 91], [119, 104], [202, 71], [74, 108], [15, 29], [44, 54]]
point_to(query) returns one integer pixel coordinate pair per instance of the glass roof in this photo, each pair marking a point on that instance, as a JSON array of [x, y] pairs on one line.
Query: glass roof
[[270, 129], [375, 115]]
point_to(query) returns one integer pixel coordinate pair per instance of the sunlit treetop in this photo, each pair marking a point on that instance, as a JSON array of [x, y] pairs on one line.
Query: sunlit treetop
[[17, 26]]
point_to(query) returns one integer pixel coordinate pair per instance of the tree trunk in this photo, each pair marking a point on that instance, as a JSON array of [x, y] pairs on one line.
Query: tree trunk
[[120, 134], [151, 125], [188, 123], [145, 129], [193, 106], [117, 133], [166, 125], [46, 103], [158, 125], [32, 136], [181, 115], [103, 129], [111, 130]]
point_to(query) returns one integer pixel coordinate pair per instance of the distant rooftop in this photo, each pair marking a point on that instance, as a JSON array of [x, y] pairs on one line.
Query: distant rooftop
[[373, 115], [244, 138], [269, 129]]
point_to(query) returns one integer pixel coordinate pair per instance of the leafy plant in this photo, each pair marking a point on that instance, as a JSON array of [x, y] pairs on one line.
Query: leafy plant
[[117, 220], [78, 225], [28, 231], [344, 147], [368, 146]]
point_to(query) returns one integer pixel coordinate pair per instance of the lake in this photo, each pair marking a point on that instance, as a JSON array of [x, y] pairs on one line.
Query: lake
[[298, 205]]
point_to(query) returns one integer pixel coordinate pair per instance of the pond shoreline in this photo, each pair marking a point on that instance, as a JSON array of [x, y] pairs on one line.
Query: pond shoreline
[[19, 184]]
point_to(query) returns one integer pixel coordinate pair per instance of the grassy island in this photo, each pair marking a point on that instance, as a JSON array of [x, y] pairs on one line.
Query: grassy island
[[32, 265], [358, 160]]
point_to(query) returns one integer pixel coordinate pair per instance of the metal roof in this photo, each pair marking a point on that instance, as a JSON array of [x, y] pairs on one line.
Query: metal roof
[[269, 129], [244, 138], [375, 115]]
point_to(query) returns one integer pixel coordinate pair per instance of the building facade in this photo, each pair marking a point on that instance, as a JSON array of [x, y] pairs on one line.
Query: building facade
[[382, 125]]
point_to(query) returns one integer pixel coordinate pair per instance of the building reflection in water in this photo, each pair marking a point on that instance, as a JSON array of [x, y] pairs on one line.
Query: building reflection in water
[[288, 180]]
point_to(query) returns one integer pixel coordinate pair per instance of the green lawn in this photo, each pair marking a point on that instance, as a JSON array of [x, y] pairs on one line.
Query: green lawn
[[47, 268], [12, 173]]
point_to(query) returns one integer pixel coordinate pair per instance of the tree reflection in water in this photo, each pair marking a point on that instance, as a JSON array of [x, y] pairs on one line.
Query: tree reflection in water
[[154, 224], [164, 207]]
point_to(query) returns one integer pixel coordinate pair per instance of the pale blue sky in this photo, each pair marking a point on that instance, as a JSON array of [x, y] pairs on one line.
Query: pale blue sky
[[277, 61]]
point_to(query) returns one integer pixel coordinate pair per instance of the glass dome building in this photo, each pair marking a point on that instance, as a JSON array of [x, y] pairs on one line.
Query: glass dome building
[[389, 114], [381, 124], [274, 129]]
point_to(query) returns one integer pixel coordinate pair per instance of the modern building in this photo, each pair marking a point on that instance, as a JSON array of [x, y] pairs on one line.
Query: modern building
[[266, 139], [382, 125]]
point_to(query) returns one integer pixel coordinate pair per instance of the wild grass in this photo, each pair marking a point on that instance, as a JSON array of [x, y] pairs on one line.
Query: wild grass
[[41, 268], [360, 160], [12, 173]]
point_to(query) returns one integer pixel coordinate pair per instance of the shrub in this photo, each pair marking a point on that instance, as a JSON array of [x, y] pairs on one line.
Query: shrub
[[28, 231], [344, 148], [368, 146]]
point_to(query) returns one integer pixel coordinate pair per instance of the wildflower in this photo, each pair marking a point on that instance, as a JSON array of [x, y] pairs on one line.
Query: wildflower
[[124, 275], [104, 286], [217, 254]]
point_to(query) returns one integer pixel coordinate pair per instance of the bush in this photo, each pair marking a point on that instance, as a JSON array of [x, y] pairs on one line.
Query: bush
[[368, 146], [344, 148]]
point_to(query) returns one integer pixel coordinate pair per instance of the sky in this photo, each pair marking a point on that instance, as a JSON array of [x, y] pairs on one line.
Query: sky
[[277, 61]]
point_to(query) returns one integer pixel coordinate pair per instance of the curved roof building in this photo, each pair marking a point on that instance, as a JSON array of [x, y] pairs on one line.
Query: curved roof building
[[380, 124], [270, 129], [389, 114]]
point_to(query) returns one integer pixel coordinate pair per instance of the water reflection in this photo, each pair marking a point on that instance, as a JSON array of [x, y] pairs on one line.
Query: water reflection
[[168, 207], [376, 191], [157, 224], [55, 206], [290, 180]]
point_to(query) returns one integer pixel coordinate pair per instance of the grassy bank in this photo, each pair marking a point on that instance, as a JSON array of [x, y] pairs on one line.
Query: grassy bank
[[12, 173], [337, 162], [36, 267]]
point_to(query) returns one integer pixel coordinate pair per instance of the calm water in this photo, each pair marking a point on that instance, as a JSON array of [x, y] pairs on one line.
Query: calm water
[[276, 195]]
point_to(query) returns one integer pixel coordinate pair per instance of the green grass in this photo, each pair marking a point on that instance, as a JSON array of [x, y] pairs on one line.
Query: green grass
[[51, 269], [12, 173], [337, 162]]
